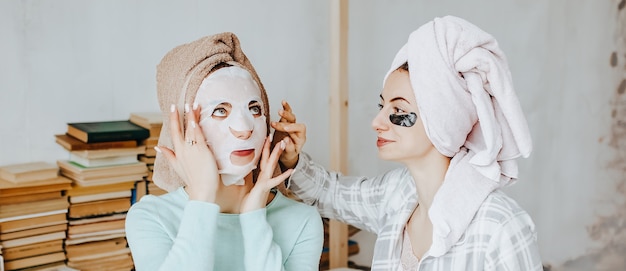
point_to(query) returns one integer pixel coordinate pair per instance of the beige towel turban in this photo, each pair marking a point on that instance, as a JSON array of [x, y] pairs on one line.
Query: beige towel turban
[[179, 74], [471, 113]]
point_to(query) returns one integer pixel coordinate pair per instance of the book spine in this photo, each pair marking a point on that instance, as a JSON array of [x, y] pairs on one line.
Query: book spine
[[117, 136]]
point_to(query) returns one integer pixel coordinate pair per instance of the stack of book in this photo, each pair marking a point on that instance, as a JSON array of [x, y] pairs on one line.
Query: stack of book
[[152, 121], [33, 220], [101, 192]]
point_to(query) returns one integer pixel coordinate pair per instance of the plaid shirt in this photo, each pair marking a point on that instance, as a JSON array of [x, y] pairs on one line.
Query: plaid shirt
[[500, 237]]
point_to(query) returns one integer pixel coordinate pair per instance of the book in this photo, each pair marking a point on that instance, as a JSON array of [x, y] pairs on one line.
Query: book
[[101, 196], [73, 144], [33, 249], [28, 172], [76, 171], [100, 226], [33, 232], [34, 261], [100, 237], [103, 131], [8, 189], [31, 197], [99, 208], [79, 190], [152, 121], [119, 261], [141, 189], [94, 248], [33, 239], [108, 153], [104, 161], [90, 220], [26, 208], [35, 220], [54, 266]]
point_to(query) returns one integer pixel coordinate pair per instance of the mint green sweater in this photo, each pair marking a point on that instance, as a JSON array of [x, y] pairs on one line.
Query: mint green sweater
[[171, 232]]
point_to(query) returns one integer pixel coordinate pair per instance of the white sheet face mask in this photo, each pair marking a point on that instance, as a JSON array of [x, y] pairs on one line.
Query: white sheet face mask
[[232, 121]]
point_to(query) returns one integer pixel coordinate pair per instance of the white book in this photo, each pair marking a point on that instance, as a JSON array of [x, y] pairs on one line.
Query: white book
[[104, 161], [110, 152], [101, 196]]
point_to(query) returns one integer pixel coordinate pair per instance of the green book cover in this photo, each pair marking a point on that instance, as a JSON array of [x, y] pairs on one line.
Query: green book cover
[[106, 131]]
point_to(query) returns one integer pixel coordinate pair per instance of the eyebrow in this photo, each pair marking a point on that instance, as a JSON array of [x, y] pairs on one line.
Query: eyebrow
[[394, 99]]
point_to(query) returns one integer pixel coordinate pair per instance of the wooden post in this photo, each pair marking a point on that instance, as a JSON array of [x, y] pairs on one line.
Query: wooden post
[[338, 242]]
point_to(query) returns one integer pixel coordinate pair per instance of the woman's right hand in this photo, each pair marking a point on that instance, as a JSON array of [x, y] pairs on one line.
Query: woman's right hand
[[191, 158], [294, 139]]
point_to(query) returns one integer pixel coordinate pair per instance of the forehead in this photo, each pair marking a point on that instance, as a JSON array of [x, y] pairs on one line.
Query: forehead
[[398, 85], [231, 83]]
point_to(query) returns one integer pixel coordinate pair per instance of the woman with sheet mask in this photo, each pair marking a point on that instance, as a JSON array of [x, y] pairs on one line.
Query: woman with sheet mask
[[449, 114], [222, 211]]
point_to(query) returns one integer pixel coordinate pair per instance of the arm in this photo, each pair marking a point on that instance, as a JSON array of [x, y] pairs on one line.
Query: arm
[[153, 248], [514, 247], [359, 201]]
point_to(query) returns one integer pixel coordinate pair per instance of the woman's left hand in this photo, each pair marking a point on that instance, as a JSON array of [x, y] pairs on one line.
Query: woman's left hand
[[257, 197]]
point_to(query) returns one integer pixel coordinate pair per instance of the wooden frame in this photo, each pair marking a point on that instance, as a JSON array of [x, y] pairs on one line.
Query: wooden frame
[[338, 242]]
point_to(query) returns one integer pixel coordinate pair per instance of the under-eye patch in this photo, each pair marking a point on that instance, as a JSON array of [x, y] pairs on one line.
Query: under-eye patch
[[404, 120]]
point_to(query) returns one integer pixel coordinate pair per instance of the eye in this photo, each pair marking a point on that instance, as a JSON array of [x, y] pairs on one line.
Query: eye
[[255, 108], [219, 112], [380, 107], [398, 110]]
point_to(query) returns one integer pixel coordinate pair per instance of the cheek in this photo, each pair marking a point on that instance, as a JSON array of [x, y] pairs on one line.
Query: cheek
[[213, 131]]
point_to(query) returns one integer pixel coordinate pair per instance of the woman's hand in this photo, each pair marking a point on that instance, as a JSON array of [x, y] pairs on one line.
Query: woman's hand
[[191, 158], [257, 197], [290, 132]]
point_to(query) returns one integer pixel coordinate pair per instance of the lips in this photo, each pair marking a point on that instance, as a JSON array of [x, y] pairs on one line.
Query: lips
[[382, 142], [243, 153], [242, 157]]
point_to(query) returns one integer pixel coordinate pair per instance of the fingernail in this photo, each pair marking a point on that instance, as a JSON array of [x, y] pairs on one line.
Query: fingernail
[[193, 124], [282, 144], [286, 128], [186, 108], [157, 149], [280, 111], [172, 108], [195, 105]]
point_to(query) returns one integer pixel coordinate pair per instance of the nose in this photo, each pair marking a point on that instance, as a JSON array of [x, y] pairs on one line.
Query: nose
[[243, 135], [380, 122]]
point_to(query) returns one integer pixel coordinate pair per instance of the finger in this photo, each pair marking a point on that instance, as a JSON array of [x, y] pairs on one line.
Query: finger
[[280, 178], [169, 155], [195, 133], [265, 152], [273, 159], [175, 130], [286, 114]]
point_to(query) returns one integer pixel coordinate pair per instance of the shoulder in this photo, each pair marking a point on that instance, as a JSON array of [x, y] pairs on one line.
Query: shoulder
[[166, 205], [499, 208], [282, 205], [500, 215]]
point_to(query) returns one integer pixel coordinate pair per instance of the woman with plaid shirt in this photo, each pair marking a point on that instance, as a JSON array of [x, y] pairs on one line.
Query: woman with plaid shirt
[[449, 113]]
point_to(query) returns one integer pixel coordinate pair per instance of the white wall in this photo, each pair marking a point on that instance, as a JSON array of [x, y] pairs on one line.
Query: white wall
[[64, 61]]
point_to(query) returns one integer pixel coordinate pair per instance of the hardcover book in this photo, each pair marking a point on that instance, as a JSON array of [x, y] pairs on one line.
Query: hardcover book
[[104, 131], [8, 189], [73, 144], [28, 172], [152, 121]]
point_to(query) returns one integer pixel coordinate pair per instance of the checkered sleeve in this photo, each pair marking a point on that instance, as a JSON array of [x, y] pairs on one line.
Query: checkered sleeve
[[350, 199]]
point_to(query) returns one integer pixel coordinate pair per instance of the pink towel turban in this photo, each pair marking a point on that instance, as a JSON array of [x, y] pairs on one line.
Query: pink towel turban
[[471, 113]]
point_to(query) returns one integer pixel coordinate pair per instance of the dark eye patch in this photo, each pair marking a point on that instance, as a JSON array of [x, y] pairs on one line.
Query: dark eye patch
[[404, 120]]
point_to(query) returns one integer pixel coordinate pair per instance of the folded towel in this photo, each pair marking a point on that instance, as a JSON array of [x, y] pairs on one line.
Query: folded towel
[[179, 75], [471, 113]]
